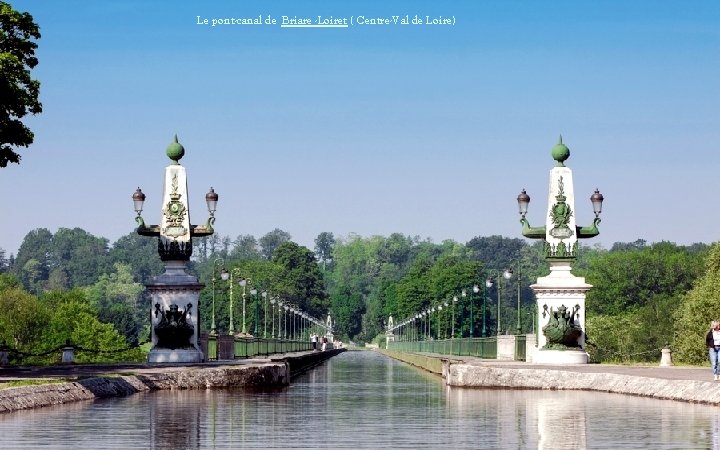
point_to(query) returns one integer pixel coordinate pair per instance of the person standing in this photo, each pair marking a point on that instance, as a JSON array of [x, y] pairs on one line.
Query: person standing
[[712, 340], [313, 339]]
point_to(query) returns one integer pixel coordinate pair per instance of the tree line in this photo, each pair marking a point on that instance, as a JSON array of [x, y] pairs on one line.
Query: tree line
[[645, 296]]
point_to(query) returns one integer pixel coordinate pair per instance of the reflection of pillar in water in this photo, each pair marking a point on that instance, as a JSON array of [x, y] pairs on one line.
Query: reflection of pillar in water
[[389, 385], [175, 420], [715, 424], [211, 401], [561, 422]]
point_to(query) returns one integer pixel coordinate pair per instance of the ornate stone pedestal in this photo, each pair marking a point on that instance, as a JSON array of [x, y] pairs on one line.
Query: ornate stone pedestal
[[560, 297], [174, 318]]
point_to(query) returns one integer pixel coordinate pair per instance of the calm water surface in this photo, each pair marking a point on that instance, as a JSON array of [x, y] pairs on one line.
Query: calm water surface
[[365, 400]]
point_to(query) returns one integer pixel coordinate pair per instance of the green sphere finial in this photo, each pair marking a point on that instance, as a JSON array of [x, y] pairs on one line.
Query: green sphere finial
[[175, 151], [560, 153]]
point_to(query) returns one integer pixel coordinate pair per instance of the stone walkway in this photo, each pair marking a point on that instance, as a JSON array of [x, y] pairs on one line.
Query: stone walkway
[[650, 371], [666, 373], [691, 384]]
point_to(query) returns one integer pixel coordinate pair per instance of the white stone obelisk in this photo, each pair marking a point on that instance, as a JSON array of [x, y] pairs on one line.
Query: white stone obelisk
[[561, 295]]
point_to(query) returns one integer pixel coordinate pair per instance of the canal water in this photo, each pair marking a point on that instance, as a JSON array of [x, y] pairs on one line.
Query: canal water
[[363, 400]]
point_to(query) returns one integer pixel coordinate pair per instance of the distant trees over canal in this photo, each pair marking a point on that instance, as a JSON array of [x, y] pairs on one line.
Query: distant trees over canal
[[73, 285]]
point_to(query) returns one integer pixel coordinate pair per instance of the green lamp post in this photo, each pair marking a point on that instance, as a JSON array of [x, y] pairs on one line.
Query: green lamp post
[[506, 274], [475, 290], [518, 329], [452, 328], [264, 295], [254, 292], [223, 276]]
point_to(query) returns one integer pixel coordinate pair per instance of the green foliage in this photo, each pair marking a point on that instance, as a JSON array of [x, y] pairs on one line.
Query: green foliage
[[697, 309], [496, 251], [22, 319], [77, 321], [300, 279], [346, 308], [376, 277], [8, 281], [138, 252], [632, 308], [82, 256], [4, 262], [630, 278], [18, 91], [36, 326], [245, 246], [637, 335], [324, 244], [70, 258], [31, 264], [116, 297], [273, 240]]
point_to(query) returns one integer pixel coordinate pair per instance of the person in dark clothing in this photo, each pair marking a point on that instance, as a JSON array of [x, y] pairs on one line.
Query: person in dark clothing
[[712, 341]]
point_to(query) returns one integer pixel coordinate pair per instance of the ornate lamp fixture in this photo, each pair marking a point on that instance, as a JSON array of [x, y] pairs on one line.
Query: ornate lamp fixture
[[175, 232], [560, 232]]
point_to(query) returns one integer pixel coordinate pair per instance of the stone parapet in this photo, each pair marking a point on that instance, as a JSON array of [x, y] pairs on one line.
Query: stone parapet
[[106, 381], [479, 376], [265, 375]]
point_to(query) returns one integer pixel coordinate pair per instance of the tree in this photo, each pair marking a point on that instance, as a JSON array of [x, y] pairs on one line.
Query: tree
[[324, 244], [346, 309], [3, 261], [22, 319], [639, 244], [18, 91], [496, 251], [140, 253], [631, 310], [31, 276], [115, 296], [73, 317], [299, 279], [9, 281], [84, 257], [245, 246], [700, 306], [272, 240], [630, 278], [36, 245]]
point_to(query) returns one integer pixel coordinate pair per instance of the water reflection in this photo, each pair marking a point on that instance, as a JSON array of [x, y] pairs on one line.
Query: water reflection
[[364, 400]]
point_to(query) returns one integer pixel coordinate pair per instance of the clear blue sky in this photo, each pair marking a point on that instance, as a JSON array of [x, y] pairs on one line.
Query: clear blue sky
[[423, 130]]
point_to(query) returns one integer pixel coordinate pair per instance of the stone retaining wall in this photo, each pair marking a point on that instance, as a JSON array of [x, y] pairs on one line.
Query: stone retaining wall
[[460, 374], [306, 361], [465, 375], [429, 363], [268, 375], [273, 374]]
